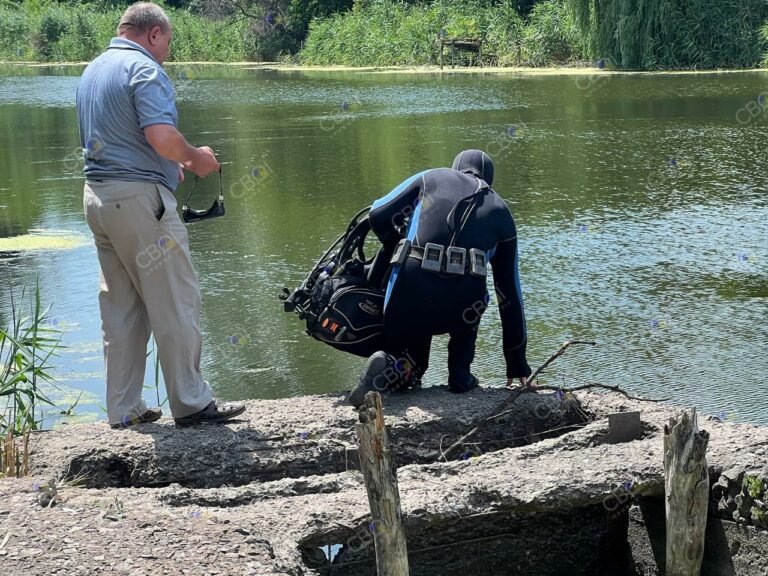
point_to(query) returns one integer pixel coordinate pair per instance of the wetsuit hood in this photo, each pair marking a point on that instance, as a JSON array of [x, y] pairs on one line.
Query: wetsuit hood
[[477, 162]]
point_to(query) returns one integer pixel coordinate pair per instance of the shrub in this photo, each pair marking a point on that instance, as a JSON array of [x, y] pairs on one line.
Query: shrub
[[14, 34], [52, 27], [551, 36], [79, 32], [385, 33]]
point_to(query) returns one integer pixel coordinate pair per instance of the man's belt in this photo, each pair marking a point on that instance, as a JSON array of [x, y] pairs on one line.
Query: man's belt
[[440, 259]]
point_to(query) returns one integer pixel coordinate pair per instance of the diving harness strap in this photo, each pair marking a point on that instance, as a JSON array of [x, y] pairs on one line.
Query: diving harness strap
[[451, 260]]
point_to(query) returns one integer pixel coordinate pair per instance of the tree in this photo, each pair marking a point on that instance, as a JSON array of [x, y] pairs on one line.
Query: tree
[[673, 34]]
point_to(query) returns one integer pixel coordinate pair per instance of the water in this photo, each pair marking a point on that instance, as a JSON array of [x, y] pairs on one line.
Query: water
[[639, 201]]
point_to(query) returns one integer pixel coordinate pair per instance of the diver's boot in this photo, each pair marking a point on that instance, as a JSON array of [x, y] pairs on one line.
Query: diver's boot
[[466, 385], [373, 379]]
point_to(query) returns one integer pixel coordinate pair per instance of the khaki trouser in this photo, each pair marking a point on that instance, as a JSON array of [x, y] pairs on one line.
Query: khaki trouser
[[147, 285]]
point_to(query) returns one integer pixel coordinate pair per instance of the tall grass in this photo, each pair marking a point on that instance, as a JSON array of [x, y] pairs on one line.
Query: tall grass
[[26, 347], [551, 35], [51, 32], [388, 32]]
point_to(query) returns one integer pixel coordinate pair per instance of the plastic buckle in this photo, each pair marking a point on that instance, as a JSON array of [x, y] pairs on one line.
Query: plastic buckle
[[401, 252], [477, 263], [456, 261], [433, 257]]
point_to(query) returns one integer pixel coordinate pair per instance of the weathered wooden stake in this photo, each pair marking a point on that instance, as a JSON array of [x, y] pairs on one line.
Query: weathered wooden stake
[[686, 489], [381, 484]]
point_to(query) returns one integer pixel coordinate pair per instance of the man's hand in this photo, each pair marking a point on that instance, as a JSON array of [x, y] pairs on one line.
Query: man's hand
[[519, 380], [181, 172], [203, 162]]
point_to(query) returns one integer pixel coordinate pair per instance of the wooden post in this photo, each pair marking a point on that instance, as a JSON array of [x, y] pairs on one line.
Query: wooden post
[[686, 488], [381, 484], [442, 46]]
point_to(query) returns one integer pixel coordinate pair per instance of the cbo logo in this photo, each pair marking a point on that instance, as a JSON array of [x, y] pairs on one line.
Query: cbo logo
[[166, 243], [94, 145], [155, 254]]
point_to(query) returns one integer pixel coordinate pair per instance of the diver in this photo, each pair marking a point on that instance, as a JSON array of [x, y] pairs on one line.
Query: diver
[[440, 229]]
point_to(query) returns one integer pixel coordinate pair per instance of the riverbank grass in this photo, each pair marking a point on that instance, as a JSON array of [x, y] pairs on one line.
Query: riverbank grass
[[388, 33], [27, 344], [52, 32]]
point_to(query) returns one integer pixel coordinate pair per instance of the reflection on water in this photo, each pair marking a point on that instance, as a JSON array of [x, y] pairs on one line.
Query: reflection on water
[[639, 200]]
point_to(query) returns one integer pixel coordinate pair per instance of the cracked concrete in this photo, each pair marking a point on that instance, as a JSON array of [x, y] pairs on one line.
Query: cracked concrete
[[263, 495]]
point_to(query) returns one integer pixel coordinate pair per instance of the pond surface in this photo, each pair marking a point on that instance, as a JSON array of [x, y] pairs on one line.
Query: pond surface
[[640, 202]]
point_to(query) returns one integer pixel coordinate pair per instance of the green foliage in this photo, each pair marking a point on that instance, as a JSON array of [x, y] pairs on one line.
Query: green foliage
[[673, 34], [759, 517], [15, 32], [630, 34], [26, 347], [551, 36], [199, 39], [387, 32], [300, 13], [52, 27], [504, 34], [50, 32], [85, 34], [764, 44], [753, 486]]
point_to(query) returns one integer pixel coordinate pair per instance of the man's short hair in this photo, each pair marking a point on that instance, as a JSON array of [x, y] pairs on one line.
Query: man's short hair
[[142, 17]]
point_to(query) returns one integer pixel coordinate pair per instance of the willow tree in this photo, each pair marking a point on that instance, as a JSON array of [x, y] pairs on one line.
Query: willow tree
[[673, 34]]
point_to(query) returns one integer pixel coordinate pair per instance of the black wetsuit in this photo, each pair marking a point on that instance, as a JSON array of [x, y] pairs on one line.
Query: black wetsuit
[[429, 207]]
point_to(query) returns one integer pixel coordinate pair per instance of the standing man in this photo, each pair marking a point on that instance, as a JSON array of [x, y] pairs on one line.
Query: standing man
[[134, 159], [440, 229]]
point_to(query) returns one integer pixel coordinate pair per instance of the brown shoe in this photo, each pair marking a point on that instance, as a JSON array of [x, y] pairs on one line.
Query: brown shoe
[[151, 415], [211, 413]]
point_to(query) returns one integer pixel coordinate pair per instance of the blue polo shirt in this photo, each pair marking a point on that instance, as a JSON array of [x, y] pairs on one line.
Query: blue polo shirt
[[121, 92]]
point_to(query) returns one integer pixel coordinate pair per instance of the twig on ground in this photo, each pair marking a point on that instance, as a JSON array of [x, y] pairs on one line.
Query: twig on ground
[[502, 409], [604, 387], [567, 344]]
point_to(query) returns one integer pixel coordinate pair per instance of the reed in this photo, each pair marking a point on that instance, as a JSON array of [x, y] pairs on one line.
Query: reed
[[27, 344]]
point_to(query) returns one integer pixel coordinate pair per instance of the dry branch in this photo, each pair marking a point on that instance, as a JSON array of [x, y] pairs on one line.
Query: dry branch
[[502, 409]]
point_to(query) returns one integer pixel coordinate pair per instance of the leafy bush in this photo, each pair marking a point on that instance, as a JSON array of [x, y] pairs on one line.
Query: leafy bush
[[14, 34], [52, 27], [79, 32], [504, 34], [551, 36], [198, 39], [386, 33]]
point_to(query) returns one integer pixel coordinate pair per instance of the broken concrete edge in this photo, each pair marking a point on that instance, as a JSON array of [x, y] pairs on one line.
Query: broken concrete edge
[[289, 438], [573, 473], [424, 409]]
